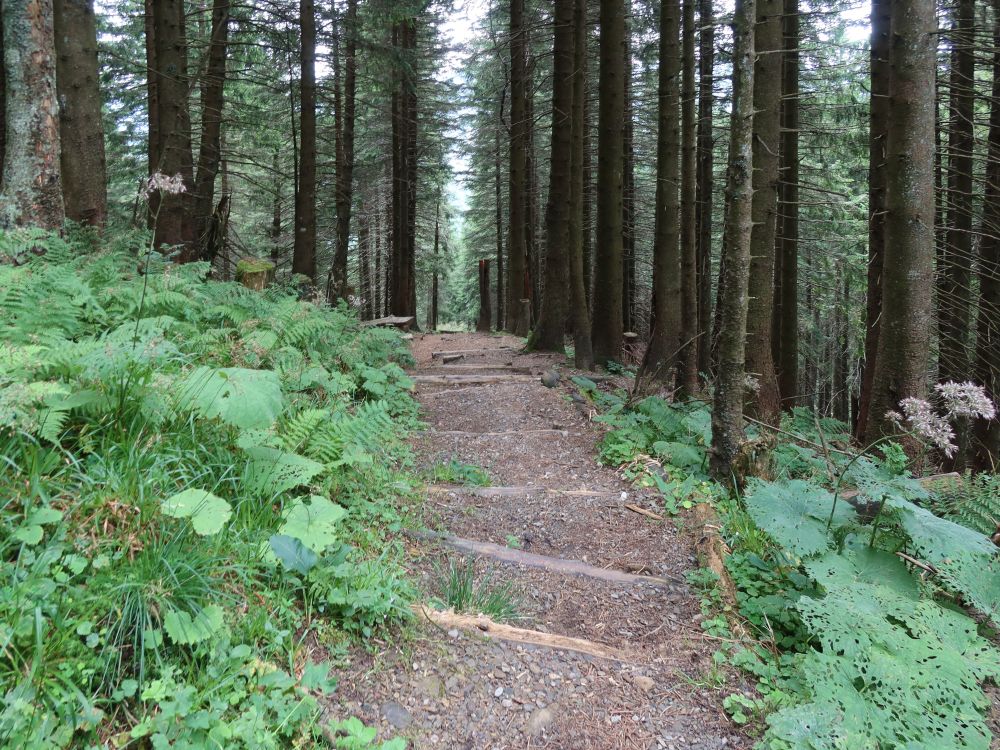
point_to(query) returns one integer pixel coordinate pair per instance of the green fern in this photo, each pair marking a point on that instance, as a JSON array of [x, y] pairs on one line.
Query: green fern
[[975, 503]]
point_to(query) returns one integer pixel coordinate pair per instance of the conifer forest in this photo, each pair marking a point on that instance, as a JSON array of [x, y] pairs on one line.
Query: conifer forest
[[500, 374]]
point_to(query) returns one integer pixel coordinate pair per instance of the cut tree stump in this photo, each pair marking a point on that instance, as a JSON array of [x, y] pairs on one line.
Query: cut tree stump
[[531, 560], [402, 323], [254, 273], [485, 626], [438, 489]]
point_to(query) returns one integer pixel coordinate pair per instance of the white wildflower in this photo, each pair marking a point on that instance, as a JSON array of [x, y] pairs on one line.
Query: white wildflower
[[966, 400], [159, 182], [919, 418]]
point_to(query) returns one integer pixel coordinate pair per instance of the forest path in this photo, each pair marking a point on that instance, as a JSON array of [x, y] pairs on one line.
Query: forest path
[[452, 688]]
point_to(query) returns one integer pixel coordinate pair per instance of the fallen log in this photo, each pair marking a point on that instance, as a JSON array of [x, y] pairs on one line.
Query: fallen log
[[712, 552], [542, 562], [438, 355], [485, 626], [452, 358], [393, 321]]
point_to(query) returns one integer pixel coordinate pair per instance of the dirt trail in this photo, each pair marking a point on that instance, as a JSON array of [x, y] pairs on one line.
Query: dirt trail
[[452, 688]]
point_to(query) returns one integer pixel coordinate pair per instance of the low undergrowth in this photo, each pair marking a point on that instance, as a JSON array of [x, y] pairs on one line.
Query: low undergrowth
[[872, 617], [194, 491]]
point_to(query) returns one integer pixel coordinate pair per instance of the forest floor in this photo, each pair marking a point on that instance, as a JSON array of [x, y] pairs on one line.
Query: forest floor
[[451, 687]]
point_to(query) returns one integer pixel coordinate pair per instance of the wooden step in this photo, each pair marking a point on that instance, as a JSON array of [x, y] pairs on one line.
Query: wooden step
[[543, 562], [441, 489], [472, 379]]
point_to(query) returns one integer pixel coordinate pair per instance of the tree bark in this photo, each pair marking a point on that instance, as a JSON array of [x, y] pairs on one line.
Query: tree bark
[[31, 191], [81, 133], [517, 183], [210, 150], [687, 377], [498, 199], [786, 314], [607, 329], [727, 411], [766, 404], [907, 314], [986, 434], [628, 190], [583, 352], [345, 157], [550, 333], [304, 250], [665, 310], [483, 322], [955, 263], [879, 119], [705, 186], [173, 225]]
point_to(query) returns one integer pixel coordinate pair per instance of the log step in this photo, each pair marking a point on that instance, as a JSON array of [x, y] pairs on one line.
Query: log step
[[466, 433], [485, 626], [471, 379], [450, 352], [441, 489], [543, 562]]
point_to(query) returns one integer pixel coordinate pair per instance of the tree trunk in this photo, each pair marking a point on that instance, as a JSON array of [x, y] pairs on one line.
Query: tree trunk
[[986, 435], [727, 411], [879, 119], [210, 151], [766, 403], [628, 190], [907, 314], [786, 318], [665, 309], [498, 199], [345, 157], [533, 262], [706, 58], [173, 225], [152, 99], [483, 322], [432, 317], [364, 265], [31, 191], [607, 329], [81, 133], [583, 352], [304, 251], [688, 357], [516, 196], [550, 333], [954, 270], [410, 100]]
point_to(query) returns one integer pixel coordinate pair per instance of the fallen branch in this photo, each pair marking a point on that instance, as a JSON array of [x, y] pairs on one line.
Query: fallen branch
[[531, 560], [484, 625], [643, 512]]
